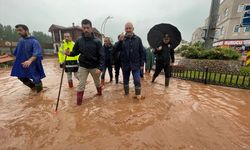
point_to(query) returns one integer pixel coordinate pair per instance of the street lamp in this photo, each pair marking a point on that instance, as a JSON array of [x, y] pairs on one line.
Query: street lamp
[[104, 24]]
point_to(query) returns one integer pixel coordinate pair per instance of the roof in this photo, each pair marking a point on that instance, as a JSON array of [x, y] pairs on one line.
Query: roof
[[57, 27], [53, 27]]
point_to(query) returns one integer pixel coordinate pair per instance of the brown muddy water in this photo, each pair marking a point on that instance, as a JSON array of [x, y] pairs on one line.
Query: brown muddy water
[[185, 116]]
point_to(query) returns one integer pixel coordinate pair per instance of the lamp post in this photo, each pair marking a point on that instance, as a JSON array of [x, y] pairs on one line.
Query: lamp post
[[104, 24]]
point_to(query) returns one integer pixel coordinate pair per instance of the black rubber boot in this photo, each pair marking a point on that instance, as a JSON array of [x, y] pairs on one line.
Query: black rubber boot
[[137, 92], [39, 87], [27, 82], [30, 84], [116, 80], [167, 82], [153, 79], [126, 89]]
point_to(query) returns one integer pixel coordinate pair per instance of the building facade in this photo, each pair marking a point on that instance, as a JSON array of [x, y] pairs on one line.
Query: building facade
[[198, 35], [229, 32], [75, 32]]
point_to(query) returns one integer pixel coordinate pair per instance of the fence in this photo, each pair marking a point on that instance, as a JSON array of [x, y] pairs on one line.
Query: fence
[[235, 79]]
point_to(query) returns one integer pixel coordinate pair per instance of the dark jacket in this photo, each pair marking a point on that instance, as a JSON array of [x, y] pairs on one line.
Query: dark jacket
[[131, 53], [165, 54], [91, 52], [108, 54], [116, 53]]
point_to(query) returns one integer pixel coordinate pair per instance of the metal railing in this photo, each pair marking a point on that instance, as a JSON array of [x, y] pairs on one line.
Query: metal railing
[[235, 79]]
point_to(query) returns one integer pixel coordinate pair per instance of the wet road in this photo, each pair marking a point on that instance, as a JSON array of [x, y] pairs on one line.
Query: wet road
[[185, 116]]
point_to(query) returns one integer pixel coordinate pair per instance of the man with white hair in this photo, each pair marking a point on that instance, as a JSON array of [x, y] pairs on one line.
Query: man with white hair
[[131, 54]]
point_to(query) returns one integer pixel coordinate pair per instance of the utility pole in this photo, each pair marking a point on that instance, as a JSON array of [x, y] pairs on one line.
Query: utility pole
[[211, 29]]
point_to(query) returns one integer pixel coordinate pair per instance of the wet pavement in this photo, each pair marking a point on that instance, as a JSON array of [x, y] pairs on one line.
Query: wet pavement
[[185, 116]]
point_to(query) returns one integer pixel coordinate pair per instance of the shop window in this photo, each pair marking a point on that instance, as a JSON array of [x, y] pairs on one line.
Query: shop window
[[237, 28], [241, 8], [226, 12], [247, 29], [222, 31]]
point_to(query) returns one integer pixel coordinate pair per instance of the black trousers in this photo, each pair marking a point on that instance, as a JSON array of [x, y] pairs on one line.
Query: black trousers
[[142, 72], [71, 66], [27, 82], [118, 66], [159, 67], [109, 67]]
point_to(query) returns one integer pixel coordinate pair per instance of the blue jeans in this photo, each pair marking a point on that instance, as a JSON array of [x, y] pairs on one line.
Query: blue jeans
[[136, 77]]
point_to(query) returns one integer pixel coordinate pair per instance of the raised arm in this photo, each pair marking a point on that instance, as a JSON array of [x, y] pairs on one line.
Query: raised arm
[[75, 51]]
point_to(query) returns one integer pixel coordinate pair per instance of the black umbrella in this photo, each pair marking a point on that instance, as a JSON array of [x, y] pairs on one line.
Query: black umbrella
[[158, 32]]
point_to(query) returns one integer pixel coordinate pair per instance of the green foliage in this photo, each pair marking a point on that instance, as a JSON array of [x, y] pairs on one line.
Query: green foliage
[[181, 49], [197, 51], [245, 69], [223, 54], [197, 45], [8, 33], [42, 37]]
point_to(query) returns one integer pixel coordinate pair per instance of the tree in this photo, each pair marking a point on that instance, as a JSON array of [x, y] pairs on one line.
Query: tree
[[42, 37], [1, 31], [7, 33]]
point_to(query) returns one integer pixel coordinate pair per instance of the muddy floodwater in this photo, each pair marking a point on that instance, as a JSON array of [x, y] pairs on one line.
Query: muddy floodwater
[[185, 116]]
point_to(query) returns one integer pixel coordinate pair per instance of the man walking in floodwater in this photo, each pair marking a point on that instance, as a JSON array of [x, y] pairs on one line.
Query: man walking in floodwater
[[108, 51], [71, 63], [164, 53], [28, 64], [117, 61], [150, 60], [91, 59], [131, 56]]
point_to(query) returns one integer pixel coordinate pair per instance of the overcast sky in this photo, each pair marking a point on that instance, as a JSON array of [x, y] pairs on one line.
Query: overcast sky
[[187, 15]]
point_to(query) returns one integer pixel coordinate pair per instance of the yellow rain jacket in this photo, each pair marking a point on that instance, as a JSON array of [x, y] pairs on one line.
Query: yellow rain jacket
[[64, 46]]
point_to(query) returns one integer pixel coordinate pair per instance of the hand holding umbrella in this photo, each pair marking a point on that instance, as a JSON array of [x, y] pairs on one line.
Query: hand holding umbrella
[[159, 32]]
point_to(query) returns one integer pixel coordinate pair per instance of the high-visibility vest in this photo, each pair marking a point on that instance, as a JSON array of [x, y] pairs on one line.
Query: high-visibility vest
[[248, 58], [64, 46]]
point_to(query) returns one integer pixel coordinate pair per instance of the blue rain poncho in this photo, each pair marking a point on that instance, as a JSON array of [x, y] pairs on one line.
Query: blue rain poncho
[[26, 48]]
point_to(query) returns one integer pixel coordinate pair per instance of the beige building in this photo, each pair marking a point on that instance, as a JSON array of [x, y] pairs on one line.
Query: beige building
[[199, 34], [228, 29]]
